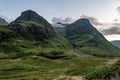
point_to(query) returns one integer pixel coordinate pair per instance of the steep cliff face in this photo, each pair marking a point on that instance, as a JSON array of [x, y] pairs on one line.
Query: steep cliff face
[[32, 26]]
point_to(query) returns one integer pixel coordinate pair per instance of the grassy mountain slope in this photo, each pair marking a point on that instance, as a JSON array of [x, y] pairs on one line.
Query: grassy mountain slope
[[28, 47], [29, 31], [84, 37], [105, 72]]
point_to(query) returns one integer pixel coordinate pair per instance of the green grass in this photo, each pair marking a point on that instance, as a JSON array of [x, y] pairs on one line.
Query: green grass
[[36, 52], [40, 68], [105, 72]]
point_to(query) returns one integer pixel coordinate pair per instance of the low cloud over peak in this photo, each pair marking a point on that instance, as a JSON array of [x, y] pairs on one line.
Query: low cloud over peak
[[108, 29], [6, 18], [118, 9], [93, 20], [112, 29], [66, 20]]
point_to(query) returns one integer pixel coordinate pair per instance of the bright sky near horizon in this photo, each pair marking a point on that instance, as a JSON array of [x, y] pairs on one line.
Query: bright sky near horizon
[[103, 10]]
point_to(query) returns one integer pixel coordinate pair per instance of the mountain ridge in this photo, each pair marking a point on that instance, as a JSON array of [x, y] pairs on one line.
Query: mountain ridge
[[81, 34]]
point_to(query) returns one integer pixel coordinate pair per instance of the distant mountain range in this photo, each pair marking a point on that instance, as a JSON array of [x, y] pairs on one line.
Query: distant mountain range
[[116, 43], [3, 22]]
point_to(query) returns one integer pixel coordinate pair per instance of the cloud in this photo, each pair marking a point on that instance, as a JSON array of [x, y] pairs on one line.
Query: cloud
[[62, 20], [115, 20], [105, 28], [57, 25], [93, 20], [113, 29], [5, 18], [118, 9]]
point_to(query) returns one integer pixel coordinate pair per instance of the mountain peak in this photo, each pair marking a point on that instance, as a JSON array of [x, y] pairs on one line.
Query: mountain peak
[[83, 20], [32, 25], [30, 15], [83, 26], [29, 11]]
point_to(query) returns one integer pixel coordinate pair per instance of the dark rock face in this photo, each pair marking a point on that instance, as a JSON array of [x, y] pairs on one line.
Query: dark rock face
[[29, 15], [31, 32], [32, 16], [32, 26]]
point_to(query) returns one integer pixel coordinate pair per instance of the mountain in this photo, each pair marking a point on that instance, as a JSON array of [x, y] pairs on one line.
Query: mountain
[[31, 49], [30, 30], [60, 28], [116, 43], [84, 37], [32, 26], [3, 22]]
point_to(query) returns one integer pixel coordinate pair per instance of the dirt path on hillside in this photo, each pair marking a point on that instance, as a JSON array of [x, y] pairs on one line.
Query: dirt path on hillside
[[69, 77], [75, 78], [75, 52], [112, 61], [79, 54]]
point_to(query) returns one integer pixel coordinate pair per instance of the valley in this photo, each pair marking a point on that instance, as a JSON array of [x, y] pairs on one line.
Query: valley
[[32, 49]]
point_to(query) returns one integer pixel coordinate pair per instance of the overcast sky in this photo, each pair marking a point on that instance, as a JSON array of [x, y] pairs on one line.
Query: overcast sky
[[104, 14]]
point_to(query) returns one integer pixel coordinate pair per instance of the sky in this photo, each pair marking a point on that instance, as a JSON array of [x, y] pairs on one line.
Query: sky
[[104, 14]]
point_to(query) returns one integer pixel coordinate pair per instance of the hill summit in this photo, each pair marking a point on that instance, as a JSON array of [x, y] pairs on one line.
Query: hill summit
[[30, 15]]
